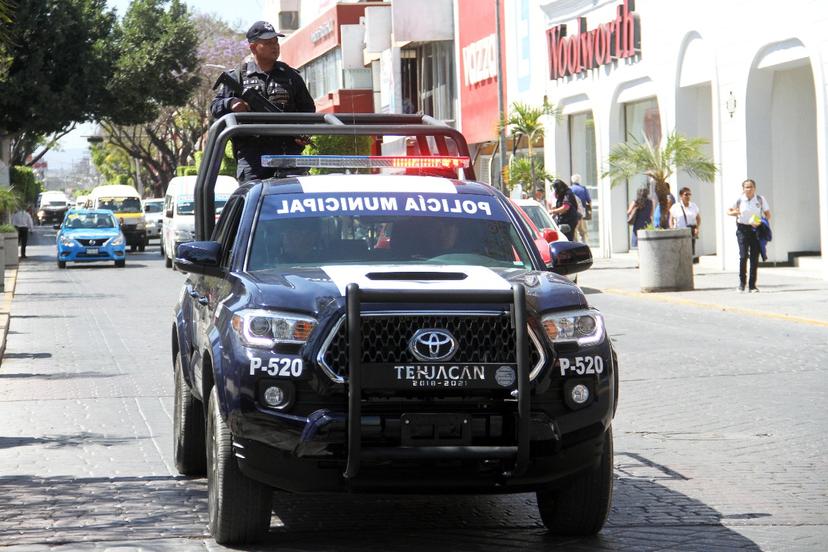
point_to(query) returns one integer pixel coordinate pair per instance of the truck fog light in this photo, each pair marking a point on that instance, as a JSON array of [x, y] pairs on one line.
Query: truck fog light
[[580, 393], [274, 396]]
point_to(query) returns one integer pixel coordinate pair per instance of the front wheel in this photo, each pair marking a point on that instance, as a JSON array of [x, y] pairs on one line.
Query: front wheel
[[167, 262], [120, 263], [581, 507], [61, 264], [239, 507], [188, 427]]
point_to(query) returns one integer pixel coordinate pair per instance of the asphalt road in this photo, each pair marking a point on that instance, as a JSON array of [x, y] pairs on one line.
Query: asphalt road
[[720, 434]]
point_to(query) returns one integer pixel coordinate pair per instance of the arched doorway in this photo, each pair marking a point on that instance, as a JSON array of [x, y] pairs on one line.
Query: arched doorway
[[782, 146], [694, 118]]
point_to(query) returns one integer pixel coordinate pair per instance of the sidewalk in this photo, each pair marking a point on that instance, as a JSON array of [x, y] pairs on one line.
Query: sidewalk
[[10, 281], [785, 293]]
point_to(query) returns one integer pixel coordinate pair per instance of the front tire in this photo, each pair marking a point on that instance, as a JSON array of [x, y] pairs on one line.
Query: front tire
[[188, 428], [239, 507], [167, 261], [120, 263], [61, 264], [581, 507]]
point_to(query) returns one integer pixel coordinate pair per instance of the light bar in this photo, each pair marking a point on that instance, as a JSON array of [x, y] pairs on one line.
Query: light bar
[[364, 162]]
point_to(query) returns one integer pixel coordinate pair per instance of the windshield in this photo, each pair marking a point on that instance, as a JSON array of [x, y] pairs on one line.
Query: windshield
[[154, 207], [374, 229], [90, 220], [539, 216], [186, 206], [120, 204]]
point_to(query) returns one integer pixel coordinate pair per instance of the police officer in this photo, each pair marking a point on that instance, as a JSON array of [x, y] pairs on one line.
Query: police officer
[[277, 82]]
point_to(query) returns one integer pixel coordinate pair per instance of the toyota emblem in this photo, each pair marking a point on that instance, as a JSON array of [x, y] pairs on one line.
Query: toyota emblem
[[432, 345]]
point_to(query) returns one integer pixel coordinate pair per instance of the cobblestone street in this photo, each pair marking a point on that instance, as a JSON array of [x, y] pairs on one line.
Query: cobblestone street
[[720, 434]]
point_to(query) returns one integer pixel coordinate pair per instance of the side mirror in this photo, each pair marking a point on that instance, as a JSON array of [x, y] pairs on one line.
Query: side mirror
[[199, 257], [550, 235], [168, 213], [569, 257]]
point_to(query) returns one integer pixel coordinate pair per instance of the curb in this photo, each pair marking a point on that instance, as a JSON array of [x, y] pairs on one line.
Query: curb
[[10, 277]]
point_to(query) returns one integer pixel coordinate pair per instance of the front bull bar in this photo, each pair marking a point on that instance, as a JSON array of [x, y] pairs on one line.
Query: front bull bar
[[516, 298]]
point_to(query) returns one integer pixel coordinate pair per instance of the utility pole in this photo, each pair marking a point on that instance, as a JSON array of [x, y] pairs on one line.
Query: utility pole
[[501, 149]]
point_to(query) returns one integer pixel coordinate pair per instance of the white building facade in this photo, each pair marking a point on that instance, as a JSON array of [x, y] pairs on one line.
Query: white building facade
[[747, 75]]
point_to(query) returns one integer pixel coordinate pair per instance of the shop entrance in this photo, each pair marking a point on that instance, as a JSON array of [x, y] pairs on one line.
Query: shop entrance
[[782, 153]]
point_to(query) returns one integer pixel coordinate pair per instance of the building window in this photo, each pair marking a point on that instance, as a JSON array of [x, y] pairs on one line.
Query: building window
[[324, 74], [436, 80], [583, 161], [641, 119]]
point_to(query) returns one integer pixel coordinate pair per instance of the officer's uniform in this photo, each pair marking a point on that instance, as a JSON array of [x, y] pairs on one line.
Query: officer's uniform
[[286, 89]]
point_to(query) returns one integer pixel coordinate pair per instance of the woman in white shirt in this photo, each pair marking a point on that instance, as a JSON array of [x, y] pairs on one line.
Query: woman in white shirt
[[685, 214], [749, 210]]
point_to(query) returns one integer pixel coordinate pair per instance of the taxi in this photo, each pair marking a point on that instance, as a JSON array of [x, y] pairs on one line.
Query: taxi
[[90, 235]]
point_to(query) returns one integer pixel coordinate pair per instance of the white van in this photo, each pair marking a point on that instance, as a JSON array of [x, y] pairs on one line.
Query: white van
[[125, 203], [179, 211], [51, 207]]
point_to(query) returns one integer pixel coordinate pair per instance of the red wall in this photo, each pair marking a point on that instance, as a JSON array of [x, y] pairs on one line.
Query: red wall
[[478, 101]]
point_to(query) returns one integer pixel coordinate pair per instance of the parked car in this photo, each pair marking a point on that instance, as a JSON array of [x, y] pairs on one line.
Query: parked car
[[90, 235], [543, 236], [154, 216], [179, 207], [385, 333]]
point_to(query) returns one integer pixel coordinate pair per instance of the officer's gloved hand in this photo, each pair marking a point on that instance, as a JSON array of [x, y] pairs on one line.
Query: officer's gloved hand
[[303, 140], [238, 105]]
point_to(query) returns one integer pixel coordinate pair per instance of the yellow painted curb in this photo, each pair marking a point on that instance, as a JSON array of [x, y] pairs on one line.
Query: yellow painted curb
[[712, 306]]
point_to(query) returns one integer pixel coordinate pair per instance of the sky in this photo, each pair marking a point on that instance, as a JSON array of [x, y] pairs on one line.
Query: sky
[[239, 14]]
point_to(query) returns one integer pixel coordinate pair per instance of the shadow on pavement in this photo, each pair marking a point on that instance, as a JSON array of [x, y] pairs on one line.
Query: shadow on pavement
[[647, 515], [27, 355], [60, 441], [57, 375]]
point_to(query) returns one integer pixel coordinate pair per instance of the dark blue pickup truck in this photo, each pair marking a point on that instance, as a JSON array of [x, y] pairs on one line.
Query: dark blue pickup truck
[[385, 333]]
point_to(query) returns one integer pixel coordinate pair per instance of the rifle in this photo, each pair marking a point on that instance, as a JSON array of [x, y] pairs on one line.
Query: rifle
[[253, 97]]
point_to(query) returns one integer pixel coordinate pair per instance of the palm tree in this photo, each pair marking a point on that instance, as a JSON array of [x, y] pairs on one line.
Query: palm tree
[[525, 120], [523, 171], [680, 152]]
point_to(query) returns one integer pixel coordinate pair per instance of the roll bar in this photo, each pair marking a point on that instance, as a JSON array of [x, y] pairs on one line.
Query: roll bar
[[295, 124]]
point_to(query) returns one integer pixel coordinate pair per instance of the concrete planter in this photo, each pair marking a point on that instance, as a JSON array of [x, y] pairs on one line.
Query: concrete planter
[[10, 246], [665, 258]]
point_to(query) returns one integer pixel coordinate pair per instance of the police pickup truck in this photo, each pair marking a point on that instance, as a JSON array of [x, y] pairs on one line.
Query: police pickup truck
[[384, 333]]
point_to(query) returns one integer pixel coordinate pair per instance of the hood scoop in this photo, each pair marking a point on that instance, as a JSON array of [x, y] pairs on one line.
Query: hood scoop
[[418, 276]]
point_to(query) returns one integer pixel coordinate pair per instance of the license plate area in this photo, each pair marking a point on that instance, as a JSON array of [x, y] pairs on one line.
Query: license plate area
[[91, 250], [433, 429]]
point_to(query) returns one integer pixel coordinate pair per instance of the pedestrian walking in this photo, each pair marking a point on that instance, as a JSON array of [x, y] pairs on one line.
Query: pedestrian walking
[[566, 208], [640, 213], [282, 85], [582, 193], [685, 214], [24, 224], [749, 210]]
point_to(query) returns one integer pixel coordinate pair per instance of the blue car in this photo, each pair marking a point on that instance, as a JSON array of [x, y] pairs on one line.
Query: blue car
[[88, 235]]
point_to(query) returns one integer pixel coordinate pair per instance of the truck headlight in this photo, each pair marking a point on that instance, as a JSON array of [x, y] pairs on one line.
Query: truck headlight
[[117, 240], [265, 329], [66, 241], [584, 326]]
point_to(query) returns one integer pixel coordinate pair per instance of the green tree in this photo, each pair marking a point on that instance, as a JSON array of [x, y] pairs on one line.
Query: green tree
[[324, 144], [526, 121], [61, 62], [113, 163], [6, 21], [9, 202], [651, 159], [25, 184], [176, 132]]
